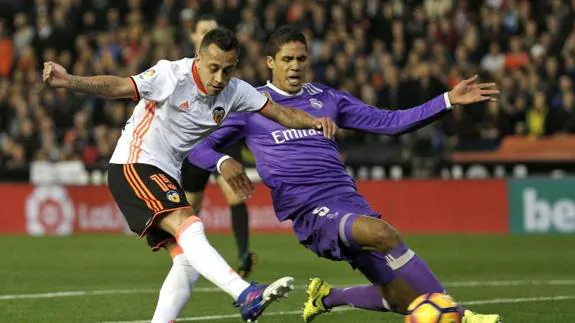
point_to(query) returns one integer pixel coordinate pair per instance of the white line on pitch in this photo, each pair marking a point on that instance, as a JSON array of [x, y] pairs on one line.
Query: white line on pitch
[[478, 283], [283, 313]]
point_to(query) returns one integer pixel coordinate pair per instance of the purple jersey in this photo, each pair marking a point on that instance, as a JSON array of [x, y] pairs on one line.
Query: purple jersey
[[301, 166]]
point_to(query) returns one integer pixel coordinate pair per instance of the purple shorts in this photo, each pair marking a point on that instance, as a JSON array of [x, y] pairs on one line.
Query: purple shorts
[[326, 230]]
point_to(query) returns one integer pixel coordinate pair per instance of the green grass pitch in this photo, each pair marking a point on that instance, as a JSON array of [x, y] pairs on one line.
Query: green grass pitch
[[116, 278]]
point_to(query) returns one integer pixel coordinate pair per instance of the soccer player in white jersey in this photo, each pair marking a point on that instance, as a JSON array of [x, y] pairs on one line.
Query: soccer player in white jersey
[[195, 179], [179, 103]]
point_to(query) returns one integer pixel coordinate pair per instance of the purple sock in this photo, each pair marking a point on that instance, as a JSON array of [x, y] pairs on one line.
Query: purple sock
[[364, 297], [413, 270]]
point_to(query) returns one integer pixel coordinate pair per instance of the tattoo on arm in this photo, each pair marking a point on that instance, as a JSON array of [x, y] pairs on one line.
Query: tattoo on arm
[[98, 88]]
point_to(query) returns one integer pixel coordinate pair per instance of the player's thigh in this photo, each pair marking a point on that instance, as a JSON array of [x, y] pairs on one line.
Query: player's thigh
[[327, 227], [372, 233], [145, 194], [229, 194]]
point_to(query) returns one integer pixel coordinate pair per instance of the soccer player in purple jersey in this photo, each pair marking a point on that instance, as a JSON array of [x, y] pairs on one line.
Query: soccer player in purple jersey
[[311, 187]]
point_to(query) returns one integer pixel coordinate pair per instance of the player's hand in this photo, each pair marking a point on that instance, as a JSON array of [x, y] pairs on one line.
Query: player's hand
[[55, 75], [235, 175], [469, 91], [327, 126]]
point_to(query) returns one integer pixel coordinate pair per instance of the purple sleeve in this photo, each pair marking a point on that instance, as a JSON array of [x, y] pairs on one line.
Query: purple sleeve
[[205, 154], [354, 114]]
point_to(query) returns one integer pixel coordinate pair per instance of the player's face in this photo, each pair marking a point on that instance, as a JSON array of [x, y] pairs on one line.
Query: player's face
[[202, 28], [215, 68], [289, 66]]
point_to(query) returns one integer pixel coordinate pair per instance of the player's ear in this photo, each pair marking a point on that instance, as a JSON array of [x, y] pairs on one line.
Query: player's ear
[[271, 62]]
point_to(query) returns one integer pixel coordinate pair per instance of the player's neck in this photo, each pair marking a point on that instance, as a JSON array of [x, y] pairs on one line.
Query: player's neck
[[283, 91]]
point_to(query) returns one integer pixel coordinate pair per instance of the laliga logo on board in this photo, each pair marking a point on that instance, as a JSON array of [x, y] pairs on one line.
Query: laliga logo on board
[[49, 211]]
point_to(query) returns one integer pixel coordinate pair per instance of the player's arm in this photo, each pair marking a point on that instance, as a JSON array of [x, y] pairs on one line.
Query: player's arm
[[250, 100], [155, 84], [297, 119], [354, 114], [108, 86], [206, 156]]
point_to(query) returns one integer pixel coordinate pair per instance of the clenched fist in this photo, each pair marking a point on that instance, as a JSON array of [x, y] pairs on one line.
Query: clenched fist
[[55, 75]]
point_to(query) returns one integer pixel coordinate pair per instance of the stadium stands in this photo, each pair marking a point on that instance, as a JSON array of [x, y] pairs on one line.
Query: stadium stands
[[392, 54]]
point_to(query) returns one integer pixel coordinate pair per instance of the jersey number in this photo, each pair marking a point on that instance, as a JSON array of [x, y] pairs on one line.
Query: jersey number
[[163, 182], [321, 211]]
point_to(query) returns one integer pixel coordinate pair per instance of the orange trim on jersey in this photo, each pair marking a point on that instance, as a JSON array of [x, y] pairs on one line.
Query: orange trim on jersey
[[140, 131], [136, 139], [197, 79], [138, 181], [176, 251], [139, 193], [189, 221], [268, 103]]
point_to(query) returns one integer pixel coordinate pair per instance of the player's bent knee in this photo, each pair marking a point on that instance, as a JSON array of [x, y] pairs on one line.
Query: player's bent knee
[[173, 249], [173, 221], [376, 234], [386, 236]]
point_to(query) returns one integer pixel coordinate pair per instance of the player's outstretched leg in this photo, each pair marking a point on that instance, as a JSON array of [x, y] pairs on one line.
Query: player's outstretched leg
[[177, 286], [322, 297], [392, 265], [251, 299]]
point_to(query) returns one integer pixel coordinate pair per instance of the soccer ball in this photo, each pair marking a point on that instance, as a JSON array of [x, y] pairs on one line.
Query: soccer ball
[[433, 308]]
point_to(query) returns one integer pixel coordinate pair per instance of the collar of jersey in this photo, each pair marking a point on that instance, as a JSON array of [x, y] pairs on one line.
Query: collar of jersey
[[282, 92], [201, 88]]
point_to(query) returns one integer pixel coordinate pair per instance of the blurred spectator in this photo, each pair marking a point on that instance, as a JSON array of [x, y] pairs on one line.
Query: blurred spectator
[[537, 118], [393, 54], [437, 8], [517, 56], [563, 117], [494, 61]]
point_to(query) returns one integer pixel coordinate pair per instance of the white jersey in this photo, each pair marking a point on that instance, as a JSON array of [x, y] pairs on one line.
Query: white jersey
[[174, 113]]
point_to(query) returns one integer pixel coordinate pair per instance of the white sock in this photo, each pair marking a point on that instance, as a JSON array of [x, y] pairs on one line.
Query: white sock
[[206, 260], [176, 290]]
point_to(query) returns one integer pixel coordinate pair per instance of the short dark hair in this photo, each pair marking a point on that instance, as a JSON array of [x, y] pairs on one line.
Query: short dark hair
[[283, 35], [204, 17], [224, 38]]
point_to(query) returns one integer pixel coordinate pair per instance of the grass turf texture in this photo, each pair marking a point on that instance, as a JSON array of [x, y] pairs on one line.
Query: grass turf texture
[[117, 278]]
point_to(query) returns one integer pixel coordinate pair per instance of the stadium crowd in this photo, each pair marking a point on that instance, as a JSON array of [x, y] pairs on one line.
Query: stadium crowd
[[392, 54]]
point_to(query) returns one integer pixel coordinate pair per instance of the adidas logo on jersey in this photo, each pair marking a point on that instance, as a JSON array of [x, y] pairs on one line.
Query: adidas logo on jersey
[[184, 106]]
